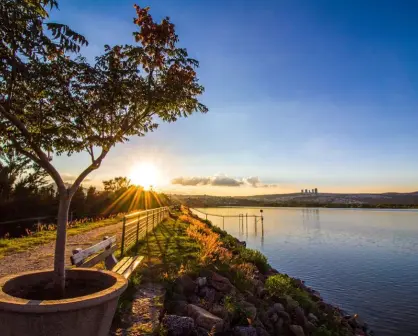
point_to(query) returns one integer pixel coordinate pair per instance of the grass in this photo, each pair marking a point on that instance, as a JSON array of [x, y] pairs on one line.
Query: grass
[[22, 244], [168, 251]]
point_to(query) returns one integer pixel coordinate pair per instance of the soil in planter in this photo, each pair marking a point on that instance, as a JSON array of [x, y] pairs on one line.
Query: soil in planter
[[73, 288]]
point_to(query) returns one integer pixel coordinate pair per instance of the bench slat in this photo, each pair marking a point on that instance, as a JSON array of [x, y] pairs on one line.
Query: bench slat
[[127, 265], [120, 264], [80, 256], [98, 258], [135, 263]]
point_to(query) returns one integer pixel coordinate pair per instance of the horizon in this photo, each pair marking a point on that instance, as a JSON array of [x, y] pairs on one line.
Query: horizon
[[305, 95]]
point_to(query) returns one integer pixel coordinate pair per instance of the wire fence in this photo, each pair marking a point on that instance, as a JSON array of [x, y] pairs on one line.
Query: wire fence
[[136, 226]]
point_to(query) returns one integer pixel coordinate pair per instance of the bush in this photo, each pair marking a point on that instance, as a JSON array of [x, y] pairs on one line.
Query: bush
[[281, 284], [255, 257]]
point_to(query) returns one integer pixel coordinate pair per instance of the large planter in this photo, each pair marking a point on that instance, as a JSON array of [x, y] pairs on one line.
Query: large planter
[[87, 315]]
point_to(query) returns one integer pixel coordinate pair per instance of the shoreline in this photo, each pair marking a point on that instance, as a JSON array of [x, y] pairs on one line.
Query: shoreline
[[265, 302]]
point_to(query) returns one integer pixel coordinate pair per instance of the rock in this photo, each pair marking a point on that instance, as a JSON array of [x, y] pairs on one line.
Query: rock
[[312, 318], [262, 332], [193, 299], [297, 330], [261, 292], [250, 309], [208, 294], [285, 316], [245, 331], [290, 303], [278, 307], [219, 311], [309, 326], [250, 297], [300, 316], [221, 283], [177, 307], [279, 324], [178, 325], [274, 317], [185, 285], [204, 319], [201, 281]]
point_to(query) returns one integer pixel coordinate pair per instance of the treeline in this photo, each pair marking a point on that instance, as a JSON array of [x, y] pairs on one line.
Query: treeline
[[25, 192]]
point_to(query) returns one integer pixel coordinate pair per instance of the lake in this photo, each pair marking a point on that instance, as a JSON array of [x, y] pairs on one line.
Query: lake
[[363, 260]]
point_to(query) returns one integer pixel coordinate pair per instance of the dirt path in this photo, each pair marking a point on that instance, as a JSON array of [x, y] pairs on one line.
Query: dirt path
[[42, 256]]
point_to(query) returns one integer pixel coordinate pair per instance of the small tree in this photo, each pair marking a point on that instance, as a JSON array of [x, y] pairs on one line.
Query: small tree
[[53, 103]]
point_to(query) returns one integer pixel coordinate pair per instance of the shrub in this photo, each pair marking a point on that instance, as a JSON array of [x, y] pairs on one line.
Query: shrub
[[255, 257], [281, 284]]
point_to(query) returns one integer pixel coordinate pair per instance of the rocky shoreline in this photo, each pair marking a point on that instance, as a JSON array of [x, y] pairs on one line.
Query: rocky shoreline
[[238, 293]]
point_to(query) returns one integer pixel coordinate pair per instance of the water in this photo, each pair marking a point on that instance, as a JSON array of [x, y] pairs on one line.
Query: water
[[362, 260]]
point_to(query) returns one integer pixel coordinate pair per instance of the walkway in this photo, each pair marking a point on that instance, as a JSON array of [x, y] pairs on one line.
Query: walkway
[[42, 257]]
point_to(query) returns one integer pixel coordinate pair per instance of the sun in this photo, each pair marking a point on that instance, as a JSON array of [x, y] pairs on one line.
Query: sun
[[145, 175]]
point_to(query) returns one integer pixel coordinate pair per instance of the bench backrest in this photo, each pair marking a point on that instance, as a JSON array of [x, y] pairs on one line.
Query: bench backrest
[[91, 256]]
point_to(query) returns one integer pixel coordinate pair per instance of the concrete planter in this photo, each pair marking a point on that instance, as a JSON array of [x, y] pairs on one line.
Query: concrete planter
[[88, 315]]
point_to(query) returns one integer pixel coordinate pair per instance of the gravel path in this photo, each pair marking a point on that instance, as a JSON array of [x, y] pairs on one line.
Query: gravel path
[[42, 256]]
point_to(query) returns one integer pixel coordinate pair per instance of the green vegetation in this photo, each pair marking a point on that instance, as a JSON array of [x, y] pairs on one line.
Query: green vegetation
[[282, 284], [185, 244], [255, 257], [14, 245], [55, 102]]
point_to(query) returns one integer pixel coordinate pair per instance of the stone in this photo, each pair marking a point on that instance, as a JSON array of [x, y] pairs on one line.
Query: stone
[[290, 303], [250, 309], [204, 319], [178, 325], [221, 283], [300, 316], [312, 318], [261, 292], [201, 281], [285, 316], [219, 311], [310, 326], [250, 297], [274, 317], [245, 331], [278, 307], [177, 307], [297, 330], [279, 324], [185, 285], [262, 332]]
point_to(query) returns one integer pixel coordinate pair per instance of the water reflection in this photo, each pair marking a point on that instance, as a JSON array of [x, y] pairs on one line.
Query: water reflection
[[365, 261]]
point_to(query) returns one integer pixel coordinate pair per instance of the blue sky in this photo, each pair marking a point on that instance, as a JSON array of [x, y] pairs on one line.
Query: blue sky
[[301, 94]]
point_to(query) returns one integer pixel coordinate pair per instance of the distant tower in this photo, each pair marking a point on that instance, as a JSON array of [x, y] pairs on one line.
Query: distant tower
[[301, 191], [313, 191], [316, 191], [306, 191]]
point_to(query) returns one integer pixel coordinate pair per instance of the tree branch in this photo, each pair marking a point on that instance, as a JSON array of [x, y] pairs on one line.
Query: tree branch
[[41, 159], [96, 164]]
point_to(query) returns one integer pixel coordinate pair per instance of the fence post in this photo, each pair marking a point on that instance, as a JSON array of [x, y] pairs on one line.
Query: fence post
[[137, 232], [146, 227], [122, 245]]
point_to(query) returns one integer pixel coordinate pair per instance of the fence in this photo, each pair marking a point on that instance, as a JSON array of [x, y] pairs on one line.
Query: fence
[[136, 225]]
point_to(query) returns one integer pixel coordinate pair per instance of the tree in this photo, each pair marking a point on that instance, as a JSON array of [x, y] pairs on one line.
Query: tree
[[53, 103]]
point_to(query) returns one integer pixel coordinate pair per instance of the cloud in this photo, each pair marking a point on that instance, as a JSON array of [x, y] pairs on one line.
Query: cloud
[[253, 180], [220, 180], [191, 181], [225, 181]]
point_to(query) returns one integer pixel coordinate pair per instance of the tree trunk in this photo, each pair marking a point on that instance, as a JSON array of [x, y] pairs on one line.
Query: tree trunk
[[59, 262]]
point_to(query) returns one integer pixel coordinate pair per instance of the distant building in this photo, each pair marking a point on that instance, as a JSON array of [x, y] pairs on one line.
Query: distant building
[[316, 191], [306, 191], [301, 191]]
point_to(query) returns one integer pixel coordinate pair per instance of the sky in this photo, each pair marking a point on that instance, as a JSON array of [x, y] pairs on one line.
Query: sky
[[301, 94]]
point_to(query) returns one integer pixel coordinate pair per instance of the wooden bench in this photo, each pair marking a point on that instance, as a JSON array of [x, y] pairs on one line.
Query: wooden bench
[[103, 251]]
